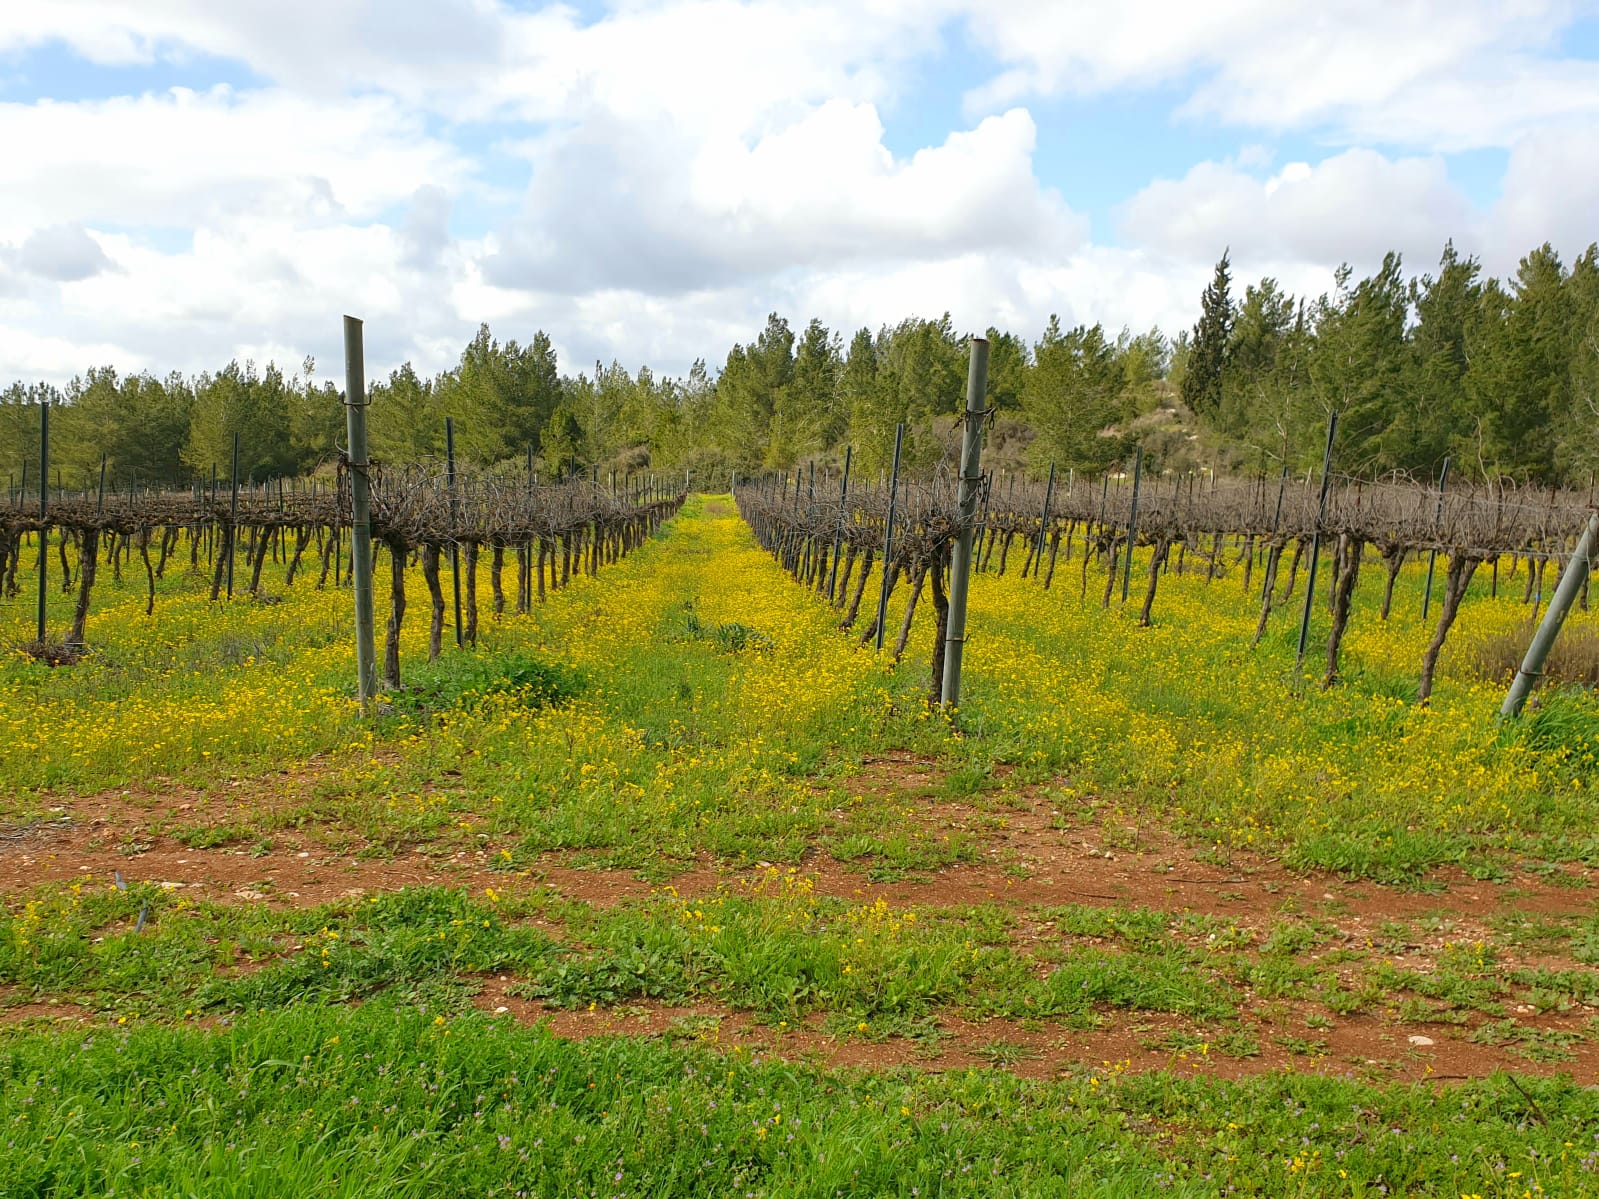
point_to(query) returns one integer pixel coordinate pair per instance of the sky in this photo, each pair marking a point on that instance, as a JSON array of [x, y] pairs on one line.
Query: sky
[[188, 182]]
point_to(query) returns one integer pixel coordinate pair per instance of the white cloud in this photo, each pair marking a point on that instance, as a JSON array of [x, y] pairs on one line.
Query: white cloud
[[258, 286], [64, 253], [1351, 207], [1439, 74], [1550, 193], [673, 214], [314, 46], [698, 163], [1435, 74], [705, 62], [30, 356], [183, 156]]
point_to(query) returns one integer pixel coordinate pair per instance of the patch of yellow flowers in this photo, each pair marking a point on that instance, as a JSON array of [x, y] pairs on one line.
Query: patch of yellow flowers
[[1184, 714]]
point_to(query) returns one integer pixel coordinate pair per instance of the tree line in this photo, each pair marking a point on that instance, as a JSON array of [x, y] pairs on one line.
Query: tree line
[[1501, 376]]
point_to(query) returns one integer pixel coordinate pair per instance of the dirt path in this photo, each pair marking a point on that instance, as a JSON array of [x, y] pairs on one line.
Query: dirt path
[[1033, 857]]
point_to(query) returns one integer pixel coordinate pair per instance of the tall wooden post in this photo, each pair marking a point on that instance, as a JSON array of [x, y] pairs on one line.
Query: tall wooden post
[[971, 481], [44, 510], [355, 403], [455, 548]]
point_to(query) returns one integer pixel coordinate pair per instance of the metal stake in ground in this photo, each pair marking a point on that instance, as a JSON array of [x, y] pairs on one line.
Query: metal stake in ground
[[888, 535], [1315, 547], [455, 547], [960, 566], [1043, 521], [1276, 524], [1544, 639], [1132, 524], [1432, 554], [355, 403], [233, 518], [838, 535]]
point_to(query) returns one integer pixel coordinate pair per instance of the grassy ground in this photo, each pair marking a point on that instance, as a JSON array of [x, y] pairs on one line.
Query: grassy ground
[[670, 871]]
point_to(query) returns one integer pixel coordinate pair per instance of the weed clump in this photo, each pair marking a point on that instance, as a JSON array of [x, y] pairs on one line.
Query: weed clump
[[463, 682]]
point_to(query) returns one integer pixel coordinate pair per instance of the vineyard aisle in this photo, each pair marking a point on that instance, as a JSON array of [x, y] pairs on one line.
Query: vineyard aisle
[[670, 888]]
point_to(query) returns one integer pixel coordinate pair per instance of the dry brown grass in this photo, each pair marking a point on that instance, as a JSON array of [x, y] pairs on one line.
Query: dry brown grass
[[1574, 659]]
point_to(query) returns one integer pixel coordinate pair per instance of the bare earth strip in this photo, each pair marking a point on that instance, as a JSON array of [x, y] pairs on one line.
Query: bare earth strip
[[1033, 857]]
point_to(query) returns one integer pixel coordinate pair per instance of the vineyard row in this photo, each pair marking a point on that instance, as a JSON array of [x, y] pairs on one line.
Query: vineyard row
[[552, 532], [829, 535]]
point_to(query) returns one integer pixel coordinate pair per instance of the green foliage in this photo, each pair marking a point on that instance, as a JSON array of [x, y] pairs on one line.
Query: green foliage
[[461, 681], [751, 390], [404, 423], [1073, 397], [393, 1100], [1206, 359], [731, 637], [1356, 368], [408, 939], [237, 402]]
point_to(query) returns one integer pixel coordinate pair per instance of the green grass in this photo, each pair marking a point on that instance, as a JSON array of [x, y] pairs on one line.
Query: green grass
[[395, 1100], [652, 721], [774, 951]]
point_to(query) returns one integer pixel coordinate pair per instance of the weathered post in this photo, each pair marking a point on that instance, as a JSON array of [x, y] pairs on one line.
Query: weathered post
[[1315, 545], [888, 534], [355, 403], [1577, 569], [44, 509], [971, 480], [1132, 524], [455, 546], [1432, 554]]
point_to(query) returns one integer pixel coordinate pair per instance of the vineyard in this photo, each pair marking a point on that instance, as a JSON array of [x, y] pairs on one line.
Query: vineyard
[[1241, 526], [419, 516], [661, 867]]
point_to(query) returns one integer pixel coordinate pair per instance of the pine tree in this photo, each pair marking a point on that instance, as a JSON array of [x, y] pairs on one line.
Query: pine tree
[[1358, 367], [1206, 360], [806, 419], [1520, 375], [1577, 426], [1073, 397], [406, 424], [1007, 369], [1433, 411]]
